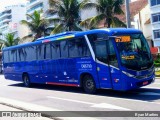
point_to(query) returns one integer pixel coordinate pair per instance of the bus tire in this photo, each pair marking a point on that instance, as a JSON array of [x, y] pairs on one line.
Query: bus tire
[[89, 84], [26, 80]]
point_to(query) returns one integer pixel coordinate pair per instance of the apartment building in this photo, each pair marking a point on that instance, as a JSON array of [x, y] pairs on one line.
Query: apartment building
[[155, 21], [10, 19], [37, 5], [33, 5]]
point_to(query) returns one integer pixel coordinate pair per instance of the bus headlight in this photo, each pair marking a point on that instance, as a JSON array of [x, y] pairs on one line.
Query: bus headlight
[[128, 74]]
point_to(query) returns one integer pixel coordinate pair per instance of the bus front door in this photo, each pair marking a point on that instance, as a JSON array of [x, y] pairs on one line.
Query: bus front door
[[115, 73], [103, 69], [107, 65]]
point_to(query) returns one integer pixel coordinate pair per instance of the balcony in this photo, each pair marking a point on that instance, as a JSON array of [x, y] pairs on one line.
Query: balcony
[[6, 20], [34, 3], [3, 26], [5, 15], [7, 11]]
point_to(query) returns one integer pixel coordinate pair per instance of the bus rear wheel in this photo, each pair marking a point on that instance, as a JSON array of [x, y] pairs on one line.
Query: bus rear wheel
[[89, 84], [26, 80]]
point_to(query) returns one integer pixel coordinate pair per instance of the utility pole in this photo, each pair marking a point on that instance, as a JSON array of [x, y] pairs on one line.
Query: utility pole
[[128, 14]]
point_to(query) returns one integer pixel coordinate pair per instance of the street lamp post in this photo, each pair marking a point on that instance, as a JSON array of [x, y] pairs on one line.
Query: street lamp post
[[128, 14]]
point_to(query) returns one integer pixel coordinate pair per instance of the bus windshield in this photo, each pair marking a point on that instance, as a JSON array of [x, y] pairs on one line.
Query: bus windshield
[[134, 52]]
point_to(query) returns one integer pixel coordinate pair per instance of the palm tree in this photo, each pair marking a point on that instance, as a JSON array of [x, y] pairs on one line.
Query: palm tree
[[107, 11], [10, 40], [37, 25], [1, 47], [68, 14]]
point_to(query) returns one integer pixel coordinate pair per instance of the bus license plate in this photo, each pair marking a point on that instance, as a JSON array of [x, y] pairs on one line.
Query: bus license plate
[[145, 83]]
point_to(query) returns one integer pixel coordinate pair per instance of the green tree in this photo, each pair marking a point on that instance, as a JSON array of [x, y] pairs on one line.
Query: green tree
[[107, 11], [1, 47], [37, 25], [9, 40], [68, 14]]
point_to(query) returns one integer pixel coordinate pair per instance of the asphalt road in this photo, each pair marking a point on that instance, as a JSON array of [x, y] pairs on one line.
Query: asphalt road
[[74, 99]]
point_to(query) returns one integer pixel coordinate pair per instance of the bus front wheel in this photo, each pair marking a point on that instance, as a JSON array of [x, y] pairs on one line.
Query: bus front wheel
[[89, 84], [26, 80]]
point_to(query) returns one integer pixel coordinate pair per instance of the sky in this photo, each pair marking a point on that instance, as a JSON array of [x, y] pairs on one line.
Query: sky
[[4, 3]]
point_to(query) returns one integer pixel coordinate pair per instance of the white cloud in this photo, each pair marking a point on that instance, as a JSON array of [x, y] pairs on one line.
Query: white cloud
[[4, 3]]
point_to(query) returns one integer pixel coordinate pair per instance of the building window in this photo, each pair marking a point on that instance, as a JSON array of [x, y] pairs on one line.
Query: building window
[[155, 2], [31, 1], [35, 7], [156, 17], [156, 34]]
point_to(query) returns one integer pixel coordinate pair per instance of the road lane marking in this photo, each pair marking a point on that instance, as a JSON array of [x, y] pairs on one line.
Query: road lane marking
[[149, 93], [33, 107], [25, 105], [70, 100], [156, 83], [127, 99], [101, 105], [152, 87], [109, 106]]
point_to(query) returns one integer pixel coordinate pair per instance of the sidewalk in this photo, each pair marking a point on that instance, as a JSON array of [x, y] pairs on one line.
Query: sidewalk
[[5, 108]]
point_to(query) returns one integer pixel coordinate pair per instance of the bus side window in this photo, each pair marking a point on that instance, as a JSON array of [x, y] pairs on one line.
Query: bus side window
[[78, 47], [21, 54], [55, 50], [111, 54], [30, 53], [83, 47], [99, 44], [6, 57], [13, 55], [9, 54], [73, 48], [18, 55], [64, 49], [40, 52], [47, 51], [101, 51]]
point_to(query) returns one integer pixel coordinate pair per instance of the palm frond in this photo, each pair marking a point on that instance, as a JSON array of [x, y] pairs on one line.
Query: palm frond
[[2, 41], [95, 21], [117, 7], [117, 23], [59, 28], [85, 23], [56, 20], [106, 9], [25, 22], [1, 47], [88, 5], [30, 16]]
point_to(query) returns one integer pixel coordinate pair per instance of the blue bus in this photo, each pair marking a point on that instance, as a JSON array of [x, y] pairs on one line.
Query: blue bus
[[114, 58]]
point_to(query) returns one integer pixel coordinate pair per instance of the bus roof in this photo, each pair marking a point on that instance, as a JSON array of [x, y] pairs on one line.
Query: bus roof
[[72, 34]]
